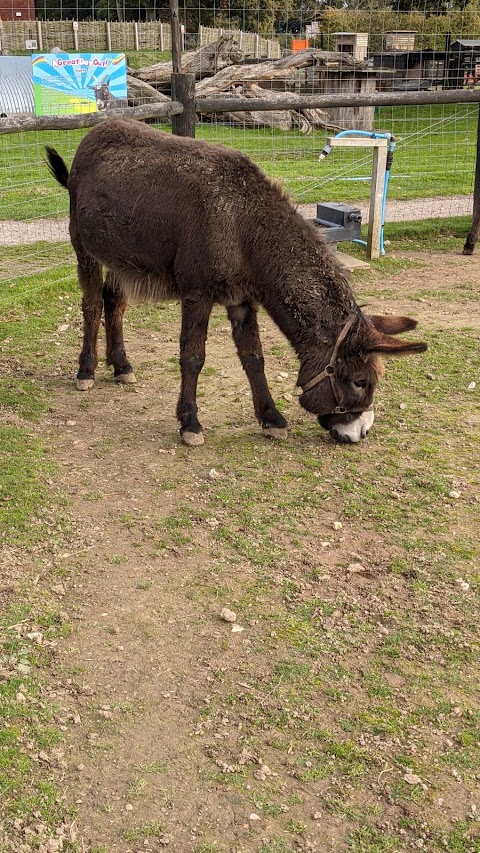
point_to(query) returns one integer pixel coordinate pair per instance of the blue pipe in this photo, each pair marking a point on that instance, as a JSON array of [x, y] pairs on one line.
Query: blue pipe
[[391, 145]]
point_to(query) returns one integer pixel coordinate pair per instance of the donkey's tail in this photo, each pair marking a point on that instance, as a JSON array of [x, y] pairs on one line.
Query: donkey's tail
[[57, 166]]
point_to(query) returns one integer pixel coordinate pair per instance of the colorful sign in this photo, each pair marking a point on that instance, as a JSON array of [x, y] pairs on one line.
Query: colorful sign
[[66, 83]]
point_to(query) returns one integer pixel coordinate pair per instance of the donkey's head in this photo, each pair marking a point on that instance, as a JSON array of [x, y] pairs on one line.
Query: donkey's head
[[341, 394], [102, 92]]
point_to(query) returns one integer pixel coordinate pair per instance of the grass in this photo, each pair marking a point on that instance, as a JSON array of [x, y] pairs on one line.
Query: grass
[[30, 316], [419, 170], [27, 726]]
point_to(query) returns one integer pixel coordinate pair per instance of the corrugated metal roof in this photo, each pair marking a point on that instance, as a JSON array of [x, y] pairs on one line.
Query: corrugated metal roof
[[473, 43], [16, 87]]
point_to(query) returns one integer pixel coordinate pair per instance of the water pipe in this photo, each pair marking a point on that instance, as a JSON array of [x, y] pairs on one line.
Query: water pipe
[[391, 145]]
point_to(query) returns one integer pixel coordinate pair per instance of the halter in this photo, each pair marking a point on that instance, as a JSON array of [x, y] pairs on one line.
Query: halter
[[329, 371]]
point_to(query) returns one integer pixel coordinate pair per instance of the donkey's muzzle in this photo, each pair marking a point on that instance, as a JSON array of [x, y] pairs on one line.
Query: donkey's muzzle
[[350, 430]]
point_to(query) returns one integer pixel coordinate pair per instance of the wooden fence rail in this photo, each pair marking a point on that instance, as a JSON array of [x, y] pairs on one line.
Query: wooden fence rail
[[219, 104], [22, 122]]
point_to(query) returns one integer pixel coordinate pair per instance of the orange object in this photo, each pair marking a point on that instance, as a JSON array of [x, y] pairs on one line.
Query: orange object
[[300, 44]]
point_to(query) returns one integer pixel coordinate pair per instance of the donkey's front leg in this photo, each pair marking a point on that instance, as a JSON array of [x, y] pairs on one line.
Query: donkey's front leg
[[115, 304], [247, 340], [90, 280], [195, 316]]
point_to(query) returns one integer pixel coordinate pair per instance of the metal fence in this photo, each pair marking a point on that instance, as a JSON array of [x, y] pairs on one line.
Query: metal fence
[[434, 160]]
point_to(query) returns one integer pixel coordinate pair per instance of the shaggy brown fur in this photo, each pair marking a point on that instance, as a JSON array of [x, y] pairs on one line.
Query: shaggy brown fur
[[178, 218]]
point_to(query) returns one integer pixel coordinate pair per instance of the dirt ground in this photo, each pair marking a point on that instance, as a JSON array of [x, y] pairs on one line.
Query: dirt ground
[[148, 652]]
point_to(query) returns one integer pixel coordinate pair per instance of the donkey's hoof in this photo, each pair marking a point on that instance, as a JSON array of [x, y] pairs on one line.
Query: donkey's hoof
[[192, 439], [126, 378], [280, 433], [84, 384]]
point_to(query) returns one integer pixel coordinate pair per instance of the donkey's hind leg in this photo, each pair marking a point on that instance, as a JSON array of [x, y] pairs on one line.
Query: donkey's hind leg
[[247, 340], [90, 280], [115, 304]]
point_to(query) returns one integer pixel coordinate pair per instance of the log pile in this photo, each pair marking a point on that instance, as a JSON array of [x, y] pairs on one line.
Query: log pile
[[219, 69], [204, 62]]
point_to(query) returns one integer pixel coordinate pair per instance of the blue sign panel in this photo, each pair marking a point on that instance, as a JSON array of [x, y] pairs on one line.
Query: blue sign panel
[[78, 82]]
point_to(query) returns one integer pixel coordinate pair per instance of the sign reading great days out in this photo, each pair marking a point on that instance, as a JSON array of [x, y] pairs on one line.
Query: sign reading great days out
[[66, 83]]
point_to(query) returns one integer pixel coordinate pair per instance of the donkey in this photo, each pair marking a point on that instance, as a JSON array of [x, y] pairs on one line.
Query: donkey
[[177, 218]]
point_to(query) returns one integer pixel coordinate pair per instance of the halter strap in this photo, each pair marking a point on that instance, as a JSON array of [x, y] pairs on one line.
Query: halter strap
[[329, 370]]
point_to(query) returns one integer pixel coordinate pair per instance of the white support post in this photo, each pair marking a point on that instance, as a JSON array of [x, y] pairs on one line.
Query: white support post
[[75, 35], [109, 36], [135, 35], [39, 34], [379, 147], [376, 199]]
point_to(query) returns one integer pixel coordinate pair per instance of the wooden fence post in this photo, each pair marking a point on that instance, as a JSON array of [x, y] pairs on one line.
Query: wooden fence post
[[135, 36], [39, 34], [183, 91], [176, 37], [109, 35], [183, 85]]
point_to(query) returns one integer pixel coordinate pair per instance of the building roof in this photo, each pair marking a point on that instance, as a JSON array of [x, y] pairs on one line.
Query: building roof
[[467, 43], [16, 87]]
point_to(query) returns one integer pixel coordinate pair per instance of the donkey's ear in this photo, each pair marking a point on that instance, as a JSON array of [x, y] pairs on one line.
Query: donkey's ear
[[390, 325], [388, 345]]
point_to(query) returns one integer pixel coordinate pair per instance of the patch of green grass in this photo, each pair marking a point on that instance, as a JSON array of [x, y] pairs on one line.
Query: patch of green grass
[[24, 719], [463, 839], [444, 235], [265, 805], [146, 830], [142, 58], [22, 396], [153, 767], [33, 307], [276, 845], [23, 468], [207, 847], [367, 839]]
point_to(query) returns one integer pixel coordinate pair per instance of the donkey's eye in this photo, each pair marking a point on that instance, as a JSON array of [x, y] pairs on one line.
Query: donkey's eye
[[361, 383]]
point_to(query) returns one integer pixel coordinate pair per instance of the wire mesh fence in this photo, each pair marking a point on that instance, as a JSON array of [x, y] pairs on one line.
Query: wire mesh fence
[[271, 50]]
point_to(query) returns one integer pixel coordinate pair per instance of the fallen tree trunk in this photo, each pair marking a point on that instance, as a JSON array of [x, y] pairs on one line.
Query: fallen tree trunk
[[283, 119], [279, 69], [207, 60]]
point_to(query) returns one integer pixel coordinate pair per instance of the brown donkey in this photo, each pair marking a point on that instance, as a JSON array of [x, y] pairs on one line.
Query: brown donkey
[[177, 218]]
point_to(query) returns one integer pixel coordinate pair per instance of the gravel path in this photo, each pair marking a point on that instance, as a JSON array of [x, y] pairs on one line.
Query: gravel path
[[15, 233]]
